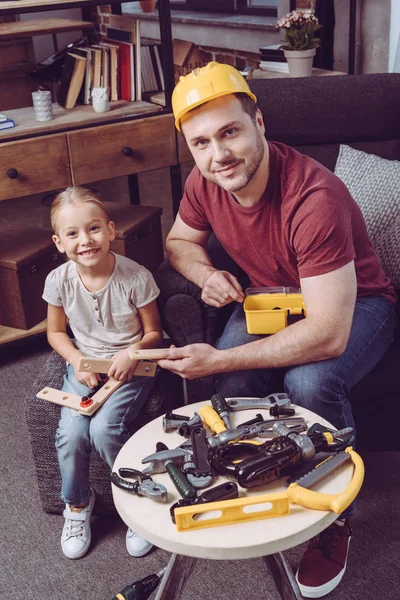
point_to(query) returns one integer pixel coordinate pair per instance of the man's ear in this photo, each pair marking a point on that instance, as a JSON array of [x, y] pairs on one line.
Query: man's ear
[[111, 230], [58, 243], [260, 121]]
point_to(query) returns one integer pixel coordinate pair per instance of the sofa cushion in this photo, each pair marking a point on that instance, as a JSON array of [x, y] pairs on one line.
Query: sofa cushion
[[374, 183]]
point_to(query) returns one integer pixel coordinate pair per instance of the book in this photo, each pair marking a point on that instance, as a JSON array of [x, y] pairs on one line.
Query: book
[[113, 66], [7, 123], [104, 78], [3, 118], [279, 67], [72, 79], [127, 71], [97, 54], [271, 50], [126, 29], [84, 94]]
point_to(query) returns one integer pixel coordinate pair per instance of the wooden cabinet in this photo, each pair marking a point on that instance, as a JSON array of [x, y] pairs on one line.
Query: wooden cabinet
[[33, 165], [121, 149]]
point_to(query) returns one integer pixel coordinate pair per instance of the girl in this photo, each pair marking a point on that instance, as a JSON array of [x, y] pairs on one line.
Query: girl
[[109, 302]]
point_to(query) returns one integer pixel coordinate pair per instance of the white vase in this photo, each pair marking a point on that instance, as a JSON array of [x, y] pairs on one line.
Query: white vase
[[300, 62]]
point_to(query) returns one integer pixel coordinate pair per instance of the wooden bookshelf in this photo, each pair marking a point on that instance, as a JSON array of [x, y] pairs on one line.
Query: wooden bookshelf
[[12, 7], [65, 120], [22, 29]]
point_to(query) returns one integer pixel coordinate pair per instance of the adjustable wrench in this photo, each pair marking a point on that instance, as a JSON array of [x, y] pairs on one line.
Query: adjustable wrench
[[280, 399]]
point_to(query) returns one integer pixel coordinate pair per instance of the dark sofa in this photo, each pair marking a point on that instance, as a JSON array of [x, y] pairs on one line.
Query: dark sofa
[[314, 115]]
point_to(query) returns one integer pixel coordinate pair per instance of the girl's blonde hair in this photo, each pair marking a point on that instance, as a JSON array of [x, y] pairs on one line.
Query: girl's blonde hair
[[75, 195]]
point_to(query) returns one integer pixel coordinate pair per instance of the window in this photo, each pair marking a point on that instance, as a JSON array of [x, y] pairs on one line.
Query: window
[[255, 7]]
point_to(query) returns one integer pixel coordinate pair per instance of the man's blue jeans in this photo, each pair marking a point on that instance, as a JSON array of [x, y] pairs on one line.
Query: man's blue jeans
[[323, 387], [107, 430]]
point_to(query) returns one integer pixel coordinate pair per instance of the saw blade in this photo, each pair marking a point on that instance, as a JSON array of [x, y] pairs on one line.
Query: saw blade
[[324, 468]]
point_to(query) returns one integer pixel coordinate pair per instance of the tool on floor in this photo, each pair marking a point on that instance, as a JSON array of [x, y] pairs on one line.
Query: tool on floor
[[251, 508], [142, 589], [280, 399], [220, 405], [144, 486], [224, 491]]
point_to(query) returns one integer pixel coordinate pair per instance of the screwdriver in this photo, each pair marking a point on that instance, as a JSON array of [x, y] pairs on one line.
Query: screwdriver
[[220, 405], [142, 589]]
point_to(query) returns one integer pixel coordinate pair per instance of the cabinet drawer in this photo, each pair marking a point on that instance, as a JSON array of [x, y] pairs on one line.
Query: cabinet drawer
[[38, 165], [122, 149]]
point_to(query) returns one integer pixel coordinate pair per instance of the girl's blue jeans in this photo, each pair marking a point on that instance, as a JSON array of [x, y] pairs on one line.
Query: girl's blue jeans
[[323, 386], [107, 430]]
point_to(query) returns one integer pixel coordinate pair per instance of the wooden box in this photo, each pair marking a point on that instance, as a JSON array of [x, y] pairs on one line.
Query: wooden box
[[26, 258], [138, 233]]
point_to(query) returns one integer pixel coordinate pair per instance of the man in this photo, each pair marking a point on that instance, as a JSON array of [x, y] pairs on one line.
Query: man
[[287, 221]]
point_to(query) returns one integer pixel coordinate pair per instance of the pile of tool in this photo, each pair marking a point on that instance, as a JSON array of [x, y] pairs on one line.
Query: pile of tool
[[213, 447]]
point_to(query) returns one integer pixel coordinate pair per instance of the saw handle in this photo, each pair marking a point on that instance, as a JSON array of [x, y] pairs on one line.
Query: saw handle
[[335, 502]]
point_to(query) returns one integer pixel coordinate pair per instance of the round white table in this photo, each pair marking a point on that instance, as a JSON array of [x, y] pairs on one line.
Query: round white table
[[266, 538]]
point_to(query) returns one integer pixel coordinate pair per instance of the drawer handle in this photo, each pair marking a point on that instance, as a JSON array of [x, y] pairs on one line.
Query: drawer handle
[[12, 173], [127, 151]]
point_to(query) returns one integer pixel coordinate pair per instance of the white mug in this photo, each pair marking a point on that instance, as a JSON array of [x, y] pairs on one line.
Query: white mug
[[100, 99]]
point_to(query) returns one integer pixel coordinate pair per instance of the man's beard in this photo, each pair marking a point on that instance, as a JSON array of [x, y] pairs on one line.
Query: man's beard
[[238, 184]]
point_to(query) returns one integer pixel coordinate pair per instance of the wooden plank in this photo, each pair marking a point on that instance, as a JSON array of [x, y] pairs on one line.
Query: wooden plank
[[101, 365], [74, 401], [67, 120], [9, 334], [150, 354], [9, 7], [21, 29]]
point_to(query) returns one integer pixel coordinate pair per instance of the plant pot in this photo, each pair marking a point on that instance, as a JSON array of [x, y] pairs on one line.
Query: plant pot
[[147, 5], [300, 62]]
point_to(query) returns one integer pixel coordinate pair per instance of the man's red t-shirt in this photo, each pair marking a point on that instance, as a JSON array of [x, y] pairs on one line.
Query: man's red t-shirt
[[305, 224]]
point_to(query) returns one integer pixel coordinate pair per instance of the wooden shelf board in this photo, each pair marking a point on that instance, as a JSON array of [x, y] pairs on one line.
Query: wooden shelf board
[[80, 116], [11, 7], [20, 29], [9, 334]]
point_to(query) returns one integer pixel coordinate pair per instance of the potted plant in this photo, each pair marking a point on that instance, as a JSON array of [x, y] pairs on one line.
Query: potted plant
[[300, 40]]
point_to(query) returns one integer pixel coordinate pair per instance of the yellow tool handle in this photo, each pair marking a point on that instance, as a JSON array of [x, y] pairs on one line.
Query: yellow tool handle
[[335, 502], [212, 419]]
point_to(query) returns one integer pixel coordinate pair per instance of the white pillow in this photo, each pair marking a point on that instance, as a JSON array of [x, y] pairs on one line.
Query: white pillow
[[374, 183]]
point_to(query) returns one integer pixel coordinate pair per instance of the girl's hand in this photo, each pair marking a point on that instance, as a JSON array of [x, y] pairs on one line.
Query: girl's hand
[[122, 367], [89, 379]]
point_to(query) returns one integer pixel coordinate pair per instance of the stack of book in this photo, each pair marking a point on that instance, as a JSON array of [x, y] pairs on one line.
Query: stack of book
[[122, 62], [5, 122], [273, 59]]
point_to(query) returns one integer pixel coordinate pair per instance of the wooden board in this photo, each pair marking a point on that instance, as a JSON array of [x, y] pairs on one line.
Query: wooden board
[[21, 29], [8, 7], [101, 365], [151, 354], [67, 120], [9, 334], [74, 401]]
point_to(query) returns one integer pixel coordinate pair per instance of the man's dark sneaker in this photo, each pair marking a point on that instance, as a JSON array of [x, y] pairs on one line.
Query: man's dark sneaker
[[324, 561]]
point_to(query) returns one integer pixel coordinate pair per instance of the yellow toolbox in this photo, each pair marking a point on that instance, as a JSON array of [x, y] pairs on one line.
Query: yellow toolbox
[[267, 309]]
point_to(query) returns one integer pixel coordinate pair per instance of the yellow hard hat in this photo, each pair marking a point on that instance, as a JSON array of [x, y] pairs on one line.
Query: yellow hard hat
[[204, 84]]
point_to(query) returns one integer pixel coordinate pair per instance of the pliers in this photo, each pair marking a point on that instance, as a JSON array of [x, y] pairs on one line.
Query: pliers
[[145, 486]]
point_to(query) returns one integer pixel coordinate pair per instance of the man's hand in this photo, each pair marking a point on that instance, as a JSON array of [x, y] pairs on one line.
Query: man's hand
[[221, 288], [89, 379], [122, 367], [190, 362]]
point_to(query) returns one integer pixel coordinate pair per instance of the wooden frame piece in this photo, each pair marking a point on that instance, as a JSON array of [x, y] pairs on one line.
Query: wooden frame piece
[[101, 365], [151, 354], [74, 401]]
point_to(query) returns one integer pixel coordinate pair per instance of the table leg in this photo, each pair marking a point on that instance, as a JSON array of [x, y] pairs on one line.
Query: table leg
[[283, 576], [176, 577]]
